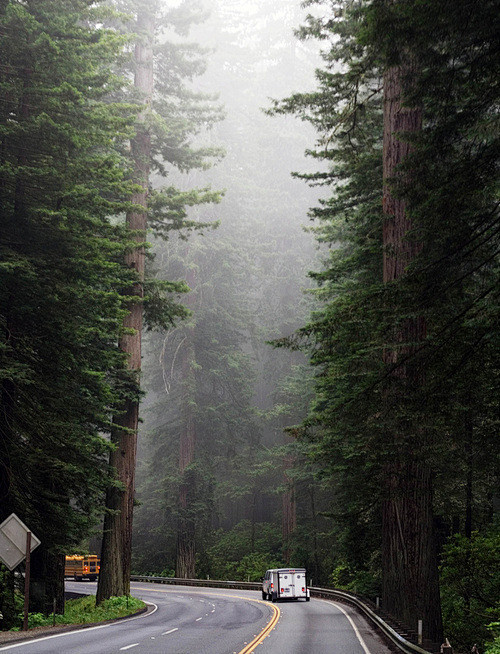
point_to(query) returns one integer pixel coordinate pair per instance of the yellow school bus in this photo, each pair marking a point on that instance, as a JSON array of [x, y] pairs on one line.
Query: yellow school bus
[[82, 567]]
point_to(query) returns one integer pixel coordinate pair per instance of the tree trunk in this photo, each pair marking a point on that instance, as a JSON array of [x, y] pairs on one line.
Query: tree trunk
[[253, 521], [410, 587], [46, 582], [317, 570], [289, 511], [114, 578], [186, 527], [469, 467]]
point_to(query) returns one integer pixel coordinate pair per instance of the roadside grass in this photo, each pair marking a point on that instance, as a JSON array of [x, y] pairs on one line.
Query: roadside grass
[[83, 610]]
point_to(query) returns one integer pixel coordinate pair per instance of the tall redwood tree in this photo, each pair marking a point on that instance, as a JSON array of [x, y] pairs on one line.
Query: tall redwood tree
[[114, 579], [410, 588], [186, 528]]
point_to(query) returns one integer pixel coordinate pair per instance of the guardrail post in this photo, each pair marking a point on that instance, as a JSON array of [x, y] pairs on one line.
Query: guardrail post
[[377, 603], [419, 632]]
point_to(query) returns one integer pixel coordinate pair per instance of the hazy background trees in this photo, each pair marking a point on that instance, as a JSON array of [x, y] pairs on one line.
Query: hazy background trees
[[218, 396], [385, 391], [170, 115]]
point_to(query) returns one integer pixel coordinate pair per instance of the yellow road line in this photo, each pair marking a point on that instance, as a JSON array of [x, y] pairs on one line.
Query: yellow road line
[[264, 633], [259, 638]]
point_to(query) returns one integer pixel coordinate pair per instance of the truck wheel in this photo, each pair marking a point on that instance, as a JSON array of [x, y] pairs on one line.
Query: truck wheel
[[308, 599], [274, 597], [264, 595]]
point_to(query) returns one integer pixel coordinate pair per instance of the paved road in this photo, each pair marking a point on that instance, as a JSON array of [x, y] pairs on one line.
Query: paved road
[[216, 621]]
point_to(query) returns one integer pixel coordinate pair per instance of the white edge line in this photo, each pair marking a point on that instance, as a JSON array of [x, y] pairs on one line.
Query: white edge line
[[128, 646], [358, 635], [77, 631], [165, 633]]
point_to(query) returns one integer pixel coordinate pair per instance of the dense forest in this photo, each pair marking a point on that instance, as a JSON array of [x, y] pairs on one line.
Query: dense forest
[[249, 308]]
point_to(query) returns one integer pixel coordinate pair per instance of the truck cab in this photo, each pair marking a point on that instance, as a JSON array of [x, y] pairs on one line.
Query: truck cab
[[285, 583]]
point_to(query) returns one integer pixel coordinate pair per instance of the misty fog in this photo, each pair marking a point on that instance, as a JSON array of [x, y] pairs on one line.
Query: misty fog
[[248, 279]]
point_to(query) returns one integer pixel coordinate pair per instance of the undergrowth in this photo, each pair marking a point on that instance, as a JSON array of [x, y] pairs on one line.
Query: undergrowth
[[84, 610]]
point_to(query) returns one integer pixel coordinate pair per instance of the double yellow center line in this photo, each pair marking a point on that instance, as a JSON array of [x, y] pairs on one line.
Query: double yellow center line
[[265, 632]]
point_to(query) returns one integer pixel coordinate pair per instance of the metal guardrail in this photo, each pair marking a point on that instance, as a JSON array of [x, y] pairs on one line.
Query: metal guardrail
[[327, 593], [399, 640], [207, 583]]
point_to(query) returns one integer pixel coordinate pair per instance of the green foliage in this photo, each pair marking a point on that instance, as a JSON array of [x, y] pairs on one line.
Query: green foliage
[[344, 334], [362, 582], [179, 116], [493, 647], [200, 374], [166, 572], [85, 611], [63, 186], [11, 597], [244, 552], [470, 581], [252, 566], [447, 421], [247, 279], [66, 120], [161, 308]]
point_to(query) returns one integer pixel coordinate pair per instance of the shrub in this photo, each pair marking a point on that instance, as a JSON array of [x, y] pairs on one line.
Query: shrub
[[84, 610], [470, 582]]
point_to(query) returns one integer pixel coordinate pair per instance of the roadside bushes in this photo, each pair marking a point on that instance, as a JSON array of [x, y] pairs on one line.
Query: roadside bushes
[[245, 552], [470, 588]]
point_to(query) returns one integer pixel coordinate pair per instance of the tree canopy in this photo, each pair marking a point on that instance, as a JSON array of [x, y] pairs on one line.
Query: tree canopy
[[385, 391]]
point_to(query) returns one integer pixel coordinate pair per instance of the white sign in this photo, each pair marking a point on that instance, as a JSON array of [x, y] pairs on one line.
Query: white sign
[[13, 541]]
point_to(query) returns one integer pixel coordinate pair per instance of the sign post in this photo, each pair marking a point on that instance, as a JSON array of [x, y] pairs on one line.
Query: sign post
[[27, 581], [16, 544]]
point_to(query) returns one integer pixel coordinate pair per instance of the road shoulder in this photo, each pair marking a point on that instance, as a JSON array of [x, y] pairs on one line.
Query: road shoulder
[[12, 637]]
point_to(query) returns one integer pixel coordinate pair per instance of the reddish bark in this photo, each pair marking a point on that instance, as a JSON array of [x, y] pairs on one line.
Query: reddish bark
[[114, 578], [410, 588], [399, 251]]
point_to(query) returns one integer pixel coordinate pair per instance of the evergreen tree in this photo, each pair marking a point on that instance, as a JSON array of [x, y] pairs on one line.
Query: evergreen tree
[[114, 579], [200, 414], [170, 115], [247, 277], [391, 350], [62, 179]]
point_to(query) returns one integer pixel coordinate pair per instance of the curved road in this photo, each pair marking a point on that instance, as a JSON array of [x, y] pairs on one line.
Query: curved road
[[215, 621]]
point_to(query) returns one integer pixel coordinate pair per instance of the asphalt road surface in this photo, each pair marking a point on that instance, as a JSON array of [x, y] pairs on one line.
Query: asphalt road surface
[[215, 621]]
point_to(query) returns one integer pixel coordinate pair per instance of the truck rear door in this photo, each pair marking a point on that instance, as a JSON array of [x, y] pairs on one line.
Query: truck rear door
[[299, 584], [286, 585]]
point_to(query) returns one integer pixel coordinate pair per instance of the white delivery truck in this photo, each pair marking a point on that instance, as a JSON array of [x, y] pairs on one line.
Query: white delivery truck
[[285, 583]]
